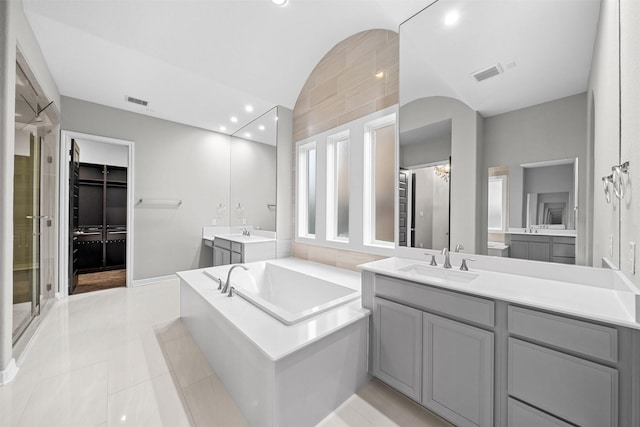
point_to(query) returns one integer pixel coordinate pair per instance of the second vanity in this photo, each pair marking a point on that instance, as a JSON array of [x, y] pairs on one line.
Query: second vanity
[[483, 348], [231, 246]]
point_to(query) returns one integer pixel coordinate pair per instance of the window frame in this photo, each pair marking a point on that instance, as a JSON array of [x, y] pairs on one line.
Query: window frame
[[303, 150], [332, 184]]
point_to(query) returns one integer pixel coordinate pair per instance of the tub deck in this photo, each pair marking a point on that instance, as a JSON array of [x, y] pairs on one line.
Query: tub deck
[[279, 375]]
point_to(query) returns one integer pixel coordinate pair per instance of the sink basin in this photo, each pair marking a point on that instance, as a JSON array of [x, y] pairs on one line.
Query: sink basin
[[440, 273]]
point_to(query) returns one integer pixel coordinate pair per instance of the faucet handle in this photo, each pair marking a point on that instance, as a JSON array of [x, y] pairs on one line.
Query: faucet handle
[[433, 259], [231, 289], [463, 266], [219, 284]]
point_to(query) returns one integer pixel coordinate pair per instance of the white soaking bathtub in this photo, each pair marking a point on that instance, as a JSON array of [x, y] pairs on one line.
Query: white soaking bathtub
[[293, 350], [287, 293]]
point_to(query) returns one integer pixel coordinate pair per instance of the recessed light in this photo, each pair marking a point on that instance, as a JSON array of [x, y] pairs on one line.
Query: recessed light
[[380, 74], [261, 127], [247, 134], [280, 2], [223, 128], [248, 108], [451, 18], [234, 119]]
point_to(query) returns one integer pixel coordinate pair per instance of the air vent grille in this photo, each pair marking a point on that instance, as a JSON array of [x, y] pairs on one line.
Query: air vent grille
[[487, 73], [136, 101]]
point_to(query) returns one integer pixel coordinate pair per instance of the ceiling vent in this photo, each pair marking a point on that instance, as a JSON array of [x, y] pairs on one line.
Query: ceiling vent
[[487, 73], [136, 101]]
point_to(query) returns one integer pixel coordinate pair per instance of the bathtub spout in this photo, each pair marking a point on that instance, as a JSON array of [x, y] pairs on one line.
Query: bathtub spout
[[227, 284]]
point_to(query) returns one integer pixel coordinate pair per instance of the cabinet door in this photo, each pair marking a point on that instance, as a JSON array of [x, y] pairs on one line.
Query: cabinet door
[[397, 346], [519, 250], [457, 371], [236, 258], [539, 251], [221, 256]]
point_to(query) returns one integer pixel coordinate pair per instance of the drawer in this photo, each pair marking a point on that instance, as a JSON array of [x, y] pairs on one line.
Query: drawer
[[574, 335], [522, 415], [563, 249], [236, 247], [576, 390], [529, 238], [222, 243], [566, 240], [448, 303]]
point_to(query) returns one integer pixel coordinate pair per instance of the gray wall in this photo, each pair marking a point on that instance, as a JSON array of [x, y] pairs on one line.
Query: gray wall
[[421, 153], [252, 184], [171, 161], [550, 131]]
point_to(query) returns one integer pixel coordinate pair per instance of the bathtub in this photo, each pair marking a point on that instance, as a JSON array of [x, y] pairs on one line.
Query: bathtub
[[286, 293], [292, 348]]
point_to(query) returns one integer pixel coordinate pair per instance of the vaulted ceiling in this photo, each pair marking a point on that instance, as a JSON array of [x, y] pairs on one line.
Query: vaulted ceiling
[[198, 62]]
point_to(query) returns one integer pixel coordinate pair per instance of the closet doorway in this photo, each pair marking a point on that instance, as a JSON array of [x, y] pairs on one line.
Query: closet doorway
[[99, 205]]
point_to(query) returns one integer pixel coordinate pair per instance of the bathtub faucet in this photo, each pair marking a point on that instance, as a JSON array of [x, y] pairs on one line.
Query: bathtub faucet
[[227, 284]]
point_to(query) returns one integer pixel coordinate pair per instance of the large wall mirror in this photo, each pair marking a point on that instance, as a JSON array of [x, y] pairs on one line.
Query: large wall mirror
[[523, 67], [252, 195]]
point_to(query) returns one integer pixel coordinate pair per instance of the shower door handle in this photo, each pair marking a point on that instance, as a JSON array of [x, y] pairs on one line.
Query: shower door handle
[[38, 217]]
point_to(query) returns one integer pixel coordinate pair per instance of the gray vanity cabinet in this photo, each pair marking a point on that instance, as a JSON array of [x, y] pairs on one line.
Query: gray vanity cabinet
[[457, 371], [397, 346], [226, 252]]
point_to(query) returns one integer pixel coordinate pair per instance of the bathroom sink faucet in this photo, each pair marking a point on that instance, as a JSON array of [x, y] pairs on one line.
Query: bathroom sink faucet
[[447, 262], [227, 284], [245, 231]]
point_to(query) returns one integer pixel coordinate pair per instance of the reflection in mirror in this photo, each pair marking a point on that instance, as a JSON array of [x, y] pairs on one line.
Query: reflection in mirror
[[252, 199], [528, 84], [425, 172]]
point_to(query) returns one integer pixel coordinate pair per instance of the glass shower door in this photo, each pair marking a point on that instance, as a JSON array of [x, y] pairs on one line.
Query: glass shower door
[[26, 237]]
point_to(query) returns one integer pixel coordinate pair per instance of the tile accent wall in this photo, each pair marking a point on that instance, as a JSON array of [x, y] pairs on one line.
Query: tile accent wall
[[359, 76]]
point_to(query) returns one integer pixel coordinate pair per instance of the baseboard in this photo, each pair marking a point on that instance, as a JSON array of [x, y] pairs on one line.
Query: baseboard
[[151, 280], [7, 375]]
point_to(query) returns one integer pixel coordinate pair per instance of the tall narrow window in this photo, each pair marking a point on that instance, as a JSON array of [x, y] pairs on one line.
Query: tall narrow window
[[380, 173], [497, 203], [307, 190], [338, 187]]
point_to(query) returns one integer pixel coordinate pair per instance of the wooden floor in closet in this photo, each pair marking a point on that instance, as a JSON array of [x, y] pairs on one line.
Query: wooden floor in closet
[[89, 282]]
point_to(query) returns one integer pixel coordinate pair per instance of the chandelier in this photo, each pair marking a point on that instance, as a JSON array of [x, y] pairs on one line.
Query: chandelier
[[443, 171]]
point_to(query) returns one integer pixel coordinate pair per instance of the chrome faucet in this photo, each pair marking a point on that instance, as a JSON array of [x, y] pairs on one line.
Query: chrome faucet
[[459, 247], [245, 231], [227, 284], [447, 262]]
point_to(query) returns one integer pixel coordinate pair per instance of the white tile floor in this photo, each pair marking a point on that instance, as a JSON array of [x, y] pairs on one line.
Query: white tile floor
[[122, 357]]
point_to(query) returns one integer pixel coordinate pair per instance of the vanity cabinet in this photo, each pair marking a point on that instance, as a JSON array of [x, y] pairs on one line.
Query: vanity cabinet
[[536, 247], [441, 362], [227, 251], [476, 361]]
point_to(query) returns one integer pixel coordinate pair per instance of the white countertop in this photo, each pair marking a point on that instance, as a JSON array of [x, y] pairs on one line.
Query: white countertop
[[239, 238], [543, 232], [275, 339], [608, 303]]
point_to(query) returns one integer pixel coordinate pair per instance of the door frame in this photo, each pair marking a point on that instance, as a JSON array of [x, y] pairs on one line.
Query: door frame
[[63, 222]]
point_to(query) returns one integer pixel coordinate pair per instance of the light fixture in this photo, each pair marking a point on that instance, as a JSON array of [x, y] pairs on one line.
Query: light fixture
[[223, 128], [451, 18], [234, 119], [248, 108], [261, 127], [280, 2], [380, 74], [442, 171], [247, 135]]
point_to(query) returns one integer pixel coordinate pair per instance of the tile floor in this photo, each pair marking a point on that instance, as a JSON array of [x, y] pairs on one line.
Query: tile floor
[[122, 357]]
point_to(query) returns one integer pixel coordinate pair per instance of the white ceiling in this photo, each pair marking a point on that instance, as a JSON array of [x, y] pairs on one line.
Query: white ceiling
[[544, 46], [198, 62]]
